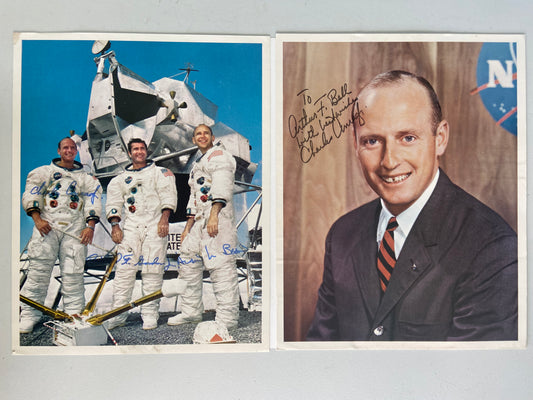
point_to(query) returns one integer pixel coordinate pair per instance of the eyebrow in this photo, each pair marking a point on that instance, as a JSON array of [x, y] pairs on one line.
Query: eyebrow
[[407, 132]]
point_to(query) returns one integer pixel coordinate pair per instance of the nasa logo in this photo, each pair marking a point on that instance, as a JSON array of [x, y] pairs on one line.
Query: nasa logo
[[496, 83]]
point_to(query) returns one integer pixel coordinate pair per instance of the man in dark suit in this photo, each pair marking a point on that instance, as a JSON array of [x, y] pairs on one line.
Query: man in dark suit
[[426, 261]]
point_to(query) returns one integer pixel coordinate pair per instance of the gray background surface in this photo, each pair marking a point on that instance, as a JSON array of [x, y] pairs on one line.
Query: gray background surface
[[359, 374]]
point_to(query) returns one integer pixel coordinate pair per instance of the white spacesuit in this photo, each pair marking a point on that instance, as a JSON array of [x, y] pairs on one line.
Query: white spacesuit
[[66, 199], [138, 196], [211, 180]]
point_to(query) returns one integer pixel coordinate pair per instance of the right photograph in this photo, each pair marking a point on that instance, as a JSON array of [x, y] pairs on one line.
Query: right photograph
[[403, 191]]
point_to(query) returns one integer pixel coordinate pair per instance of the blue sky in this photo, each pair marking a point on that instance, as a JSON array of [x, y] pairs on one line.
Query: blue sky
[[57, 77]]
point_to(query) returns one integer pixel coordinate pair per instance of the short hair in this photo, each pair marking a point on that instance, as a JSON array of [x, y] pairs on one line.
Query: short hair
[[136, 140], [398, 76], [59, 143], [199, 125]]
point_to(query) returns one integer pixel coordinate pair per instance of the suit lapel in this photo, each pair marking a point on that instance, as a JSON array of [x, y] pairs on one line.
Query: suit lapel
[[364, 259], [413, 262], [415, 258], [367, 275]]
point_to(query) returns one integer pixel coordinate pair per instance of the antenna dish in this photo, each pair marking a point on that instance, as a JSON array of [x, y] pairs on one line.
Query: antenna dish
[[100, 46]]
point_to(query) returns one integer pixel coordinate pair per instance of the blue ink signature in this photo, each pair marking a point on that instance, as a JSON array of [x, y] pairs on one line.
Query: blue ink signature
[[189, 261], [155, 261], [209, 256], [38, 189], [127, 259], [72, 188], [93, 195], [228, 250]]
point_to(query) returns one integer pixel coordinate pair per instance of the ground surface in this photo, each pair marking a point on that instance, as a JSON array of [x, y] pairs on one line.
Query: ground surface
[[248, 331]]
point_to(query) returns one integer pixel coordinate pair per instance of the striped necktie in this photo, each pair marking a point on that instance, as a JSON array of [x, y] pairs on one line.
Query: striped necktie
[[386, 255]]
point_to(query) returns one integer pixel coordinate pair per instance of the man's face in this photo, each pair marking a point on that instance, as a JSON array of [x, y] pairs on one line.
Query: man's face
[[396, 145], [203, 138], [138, 153], [67, 151]]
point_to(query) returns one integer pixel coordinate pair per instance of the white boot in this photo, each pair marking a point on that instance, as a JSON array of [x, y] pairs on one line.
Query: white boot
[[149, 322], [181, 319], [26, 325], [119, 320]]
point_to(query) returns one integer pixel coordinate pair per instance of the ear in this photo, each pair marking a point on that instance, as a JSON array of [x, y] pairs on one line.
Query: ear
[[441, 137]]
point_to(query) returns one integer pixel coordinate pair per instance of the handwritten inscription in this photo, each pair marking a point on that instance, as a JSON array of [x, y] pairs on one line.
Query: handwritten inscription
[[128, 258], [228, 250], [42, 190], [322, 120], [92, 195], [186, 261], [38, 189]]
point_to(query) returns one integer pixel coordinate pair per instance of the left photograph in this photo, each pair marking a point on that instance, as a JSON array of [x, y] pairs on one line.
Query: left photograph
[[138, 193]]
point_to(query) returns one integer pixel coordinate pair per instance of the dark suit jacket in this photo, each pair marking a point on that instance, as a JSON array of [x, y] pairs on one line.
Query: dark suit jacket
[[455, 278]]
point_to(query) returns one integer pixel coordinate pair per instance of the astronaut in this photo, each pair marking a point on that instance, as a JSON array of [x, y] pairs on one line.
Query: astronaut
[[143, 196], [65, 204], [210, 237]]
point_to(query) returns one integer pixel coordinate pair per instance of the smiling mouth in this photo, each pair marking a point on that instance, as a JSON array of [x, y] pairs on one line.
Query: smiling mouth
[[396, 179]]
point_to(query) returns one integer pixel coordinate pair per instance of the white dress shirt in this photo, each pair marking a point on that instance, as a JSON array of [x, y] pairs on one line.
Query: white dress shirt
[[405, 219]]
